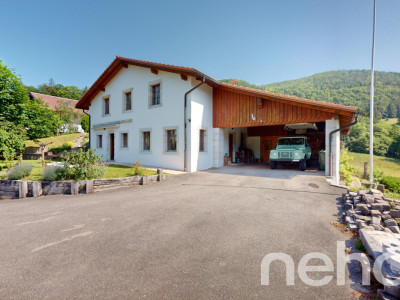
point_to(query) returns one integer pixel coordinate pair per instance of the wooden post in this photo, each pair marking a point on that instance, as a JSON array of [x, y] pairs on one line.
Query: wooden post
[[159, 174], [365, 170]]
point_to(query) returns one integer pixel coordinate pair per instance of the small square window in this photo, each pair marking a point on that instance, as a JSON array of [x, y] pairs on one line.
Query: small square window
[[202, 140], [124, 140], [128, 101], [146, 141], [106, 106], [99, 141], [171, 140], [155, 94]]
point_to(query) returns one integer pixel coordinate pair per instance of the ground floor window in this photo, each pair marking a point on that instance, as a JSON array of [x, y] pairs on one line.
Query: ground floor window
[[124, 140], [146, 140], [171, 140], [99, 141], [202, 140]]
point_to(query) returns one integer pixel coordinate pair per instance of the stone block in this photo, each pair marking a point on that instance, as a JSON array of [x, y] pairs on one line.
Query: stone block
[[37, 189], [390, 222], [362, 192], [348, 206], [377, 206], [375, 191], [352, 227], [394, 229], [395, 213], [22, 189], [370, 227], [376, 220], [378, 227], [353, 194], [74, 187], [375, 212], [363, 208], [387, 230], [385, 206], [393, 290], [368, 199], [89, 187]]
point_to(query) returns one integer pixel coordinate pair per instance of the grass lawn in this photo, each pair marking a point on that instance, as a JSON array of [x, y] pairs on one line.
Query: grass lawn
[[389, 166], [56, 141], [112, 171], [391, 121]]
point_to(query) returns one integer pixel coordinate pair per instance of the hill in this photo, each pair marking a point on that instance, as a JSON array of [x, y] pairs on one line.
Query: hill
[[343, 87]]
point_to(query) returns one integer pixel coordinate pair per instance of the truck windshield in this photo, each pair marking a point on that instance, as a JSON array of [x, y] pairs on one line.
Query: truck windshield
[[290, 142]]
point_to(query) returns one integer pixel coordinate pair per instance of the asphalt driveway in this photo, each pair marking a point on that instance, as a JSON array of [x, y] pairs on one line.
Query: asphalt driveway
[[194, 236]]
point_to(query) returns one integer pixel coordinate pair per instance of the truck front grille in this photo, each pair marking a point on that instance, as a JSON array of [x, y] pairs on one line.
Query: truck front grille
[[285, 154]]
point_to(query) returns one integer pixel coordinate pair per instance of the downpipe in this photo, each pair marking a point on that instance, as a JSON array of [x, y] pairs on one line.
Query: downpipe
[[185, 122], [330, 142]]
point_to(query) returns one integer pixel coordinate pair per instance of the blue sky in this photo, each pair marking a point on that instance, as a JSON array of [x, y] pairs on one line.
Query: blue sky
[[258, 41]]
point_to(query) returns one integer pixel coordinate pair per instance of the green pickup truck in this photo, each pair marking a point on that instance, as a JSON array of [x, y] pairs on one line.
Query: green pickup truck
[[291, 150]]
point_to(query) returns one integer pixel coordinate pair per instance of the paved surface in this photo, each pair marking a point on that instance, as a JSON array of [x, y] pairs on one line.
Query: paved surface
[[194, 236]]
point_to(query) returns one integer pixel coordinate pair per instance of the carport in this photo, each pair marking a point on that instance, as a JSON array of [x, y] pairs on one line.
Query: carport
[[248, 122]]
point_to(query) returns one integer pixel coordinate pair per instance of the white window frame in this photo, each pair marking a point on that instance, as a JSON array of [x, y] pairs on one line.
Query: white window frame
[[151, 84], [141, 140], [165, 141], [124, 92]]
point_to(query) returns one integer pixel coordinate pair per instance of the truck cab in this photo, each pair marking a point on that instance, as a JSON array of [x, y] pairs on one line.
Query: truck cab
[[291, 150]]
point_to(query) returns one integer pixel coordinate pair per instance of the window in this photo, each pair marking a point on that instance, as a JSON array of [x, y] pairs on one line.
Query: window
[[155, 94], [202, 140], [124, 140], [171, 140], [146, 141], [128, 101], [99, 141], [106, 106]]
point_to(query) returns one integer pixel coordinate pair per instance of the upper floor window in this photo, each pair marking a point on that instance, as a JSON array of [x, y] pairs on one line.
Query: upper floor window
[[155, 94], [171, 140], [124, 140], [106, 106], [202, 140], [128, 101], [146, 140]]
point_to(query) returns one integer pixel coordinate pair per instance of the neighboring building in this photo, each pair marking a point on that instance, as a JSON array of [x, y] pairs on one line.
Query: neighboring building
[[55, 103], [137, 110]]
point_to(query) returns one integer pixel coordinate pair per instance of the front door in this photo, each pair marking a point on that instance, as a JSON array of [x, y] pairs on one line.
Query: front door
[[231, 146], [112, 148]]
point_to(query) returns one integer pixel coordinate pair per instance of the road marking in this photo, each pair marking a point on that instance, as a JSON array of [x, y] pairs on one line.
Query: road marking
[[37, 221], [63, 240], [73, 228]]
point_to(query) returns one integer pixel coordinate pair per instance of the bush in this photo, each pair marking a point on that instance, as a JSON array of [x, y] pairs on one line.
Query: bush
[[391, 183], [12, 141], [346, 170], [19, 171], [137, 171], [64, 147], [83, 164], [52, 173]]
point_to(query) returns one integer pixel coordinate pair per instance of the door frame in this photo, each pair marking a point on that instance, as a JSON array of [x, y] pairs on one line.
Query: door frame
[[112, 145]]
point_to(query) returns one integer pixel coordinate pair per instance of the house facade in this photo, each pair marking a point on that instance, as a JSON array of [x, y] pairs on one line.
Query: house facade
[[179, 118]]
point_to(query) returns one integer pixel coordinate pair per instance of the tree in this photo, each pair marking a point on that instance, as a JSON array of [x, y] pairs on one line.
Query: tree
[[12, 96], [85, 123], [12, 141]]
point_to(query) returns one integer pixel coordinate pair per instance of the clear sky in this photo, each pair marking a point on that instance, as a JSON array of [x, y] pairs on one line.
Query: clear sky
[[258, 41]]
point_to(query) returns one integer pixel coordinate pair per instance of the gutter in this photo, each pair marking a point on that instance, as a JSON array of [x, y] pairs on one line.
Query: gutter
[[90, 124], [185, 122], [330, 141]]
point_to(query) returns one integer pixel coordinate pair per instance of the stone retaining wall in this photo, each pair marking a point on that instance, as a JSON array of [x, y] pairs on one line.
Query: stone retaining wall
[[14, 189]]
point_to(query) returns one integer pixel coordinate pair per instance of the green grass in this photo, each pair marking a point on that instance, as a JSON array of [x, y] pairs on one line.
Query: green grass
[[112, 171], [389, 166], [391, 121], [56, 141], [118, 171]]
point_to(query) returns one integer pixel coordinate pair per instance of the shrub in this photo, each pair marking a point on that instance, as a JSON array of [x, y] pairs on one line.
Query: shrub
[[136, 170], [391, 183], [19, 171], [64, 147], [83, 164], [346, 170], [52, 173]]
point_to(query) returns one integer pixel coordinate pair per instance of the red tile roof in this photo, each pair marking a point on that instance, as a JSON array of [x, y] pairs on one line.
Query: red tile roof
[[53, 101], [120, 62]]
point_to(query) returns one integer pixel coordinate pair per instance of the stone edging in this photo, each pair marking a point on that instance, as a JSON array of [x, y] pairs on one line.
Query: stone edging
[[18, 189]]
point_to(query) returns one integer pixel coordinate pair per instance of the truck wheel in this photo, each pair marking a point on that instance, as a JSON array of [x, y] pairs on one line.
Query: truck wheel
[[302, 165], [272, 164], [309, 163]]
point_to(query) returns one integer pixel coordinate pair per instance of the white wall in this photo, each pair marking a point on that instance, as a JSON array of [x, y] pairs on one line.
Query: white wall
[[156, 119], [331, 125], [201, 117]]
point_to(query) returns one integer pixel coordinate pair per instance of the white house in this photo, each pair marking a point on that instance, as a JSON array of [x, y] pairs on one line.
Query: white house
[[138, 113]]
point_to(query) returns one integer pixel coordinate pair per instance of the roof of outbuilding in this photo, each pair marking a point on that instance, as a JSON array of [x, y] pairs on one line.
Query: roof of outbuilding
[[53, 101]]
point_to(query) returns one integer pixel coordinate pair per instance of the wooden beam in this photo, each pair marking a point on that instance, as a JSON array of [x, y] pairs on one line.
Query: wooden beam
[[183, 77], [125, 65], [103, 89], [154, 71]]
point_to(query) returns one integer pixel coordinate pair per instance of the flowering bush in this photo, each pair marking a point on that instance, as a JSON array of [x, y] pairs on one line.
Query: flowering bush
[[19, 171], [52, 173]]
